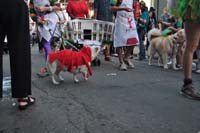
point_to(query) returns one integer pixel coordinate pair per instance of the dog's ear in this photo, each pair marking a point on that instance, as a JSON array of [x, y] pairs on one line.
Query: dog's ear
[[180, 35]]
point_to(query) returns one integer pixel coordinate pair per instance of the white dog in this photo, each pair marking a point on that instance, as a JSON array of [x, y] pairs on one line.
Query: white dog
[[72, 61], [164, 46]]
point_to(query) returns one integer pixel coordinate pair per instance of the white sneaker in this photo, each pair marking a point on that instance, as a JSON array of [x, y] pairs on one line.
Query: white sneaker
[[129, 63], [123, 67]]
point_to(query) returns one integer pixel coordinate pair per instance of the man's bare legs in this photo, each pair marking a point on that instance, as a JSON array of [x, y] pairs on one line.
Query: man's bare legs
[[120, 55], [192, 39]]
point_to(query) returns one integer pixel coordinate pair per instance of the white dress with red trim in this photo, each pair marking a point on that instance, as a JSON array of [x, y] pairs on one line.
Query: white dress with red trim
[[125, 33]]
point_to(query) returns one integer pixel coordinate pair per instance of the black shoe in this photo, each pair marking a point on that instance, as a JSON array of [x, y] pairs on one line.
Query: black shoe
[[190, 92]]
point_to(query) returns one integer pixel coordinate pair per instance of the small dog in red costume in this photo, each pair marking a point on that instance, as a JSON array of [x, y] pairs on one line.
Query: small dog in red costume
[[75, 62]]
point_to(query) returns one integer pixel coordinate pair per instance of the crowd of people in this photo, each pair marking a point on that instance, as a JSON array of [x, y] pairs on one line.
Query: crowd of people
[[132, 18]]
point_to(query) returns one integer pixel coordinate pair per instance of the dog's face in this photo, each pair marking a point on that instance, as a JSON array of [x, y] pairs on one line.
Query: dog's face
[[94, 51], [173, 38], [180, 36]]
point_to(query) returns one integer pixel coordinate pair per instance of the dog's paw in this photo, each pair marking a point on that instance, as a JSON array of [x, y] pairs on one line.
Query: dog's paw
[[86, 79], [165, 67], [56, 83], [175, 68], [76, 81], [149, 64], [61, 78]]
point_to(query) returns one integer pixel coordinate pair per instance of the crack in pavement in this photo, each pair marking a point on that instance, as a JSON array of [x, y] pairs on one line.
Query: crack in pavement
[[97, 115], [90, 113]]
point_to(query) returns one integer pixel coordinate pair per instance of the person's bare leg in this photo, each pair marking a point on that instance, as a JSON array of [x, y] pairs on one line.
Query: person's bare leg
[[120, 56], [128, 52], [127, 56], [121, 61], [192, 38]]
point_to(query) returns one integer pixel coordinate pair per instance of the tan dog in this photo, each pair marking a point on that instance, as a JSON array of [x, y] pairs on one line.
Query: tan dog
[[164, 46], [72, 61], [180, 36]]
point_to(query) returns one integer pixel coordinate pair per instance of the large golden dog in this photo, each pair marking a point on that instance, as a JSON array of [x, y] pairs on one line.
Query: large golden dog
[[165, 46]]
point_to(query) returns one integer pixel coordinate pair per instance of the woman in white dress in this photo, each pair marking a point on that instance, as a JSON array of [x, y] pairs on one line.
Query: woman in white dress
[[125, 34]]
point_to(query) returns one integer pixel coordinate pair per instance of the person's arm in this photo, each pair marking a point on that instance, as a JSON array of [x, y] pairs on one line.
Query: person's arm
[[69, 10], [55, 5], [116, 8], [34, 15], [32, 11], [87, 10], [95, 9], [160, 26], [173, 28], [166, 23]]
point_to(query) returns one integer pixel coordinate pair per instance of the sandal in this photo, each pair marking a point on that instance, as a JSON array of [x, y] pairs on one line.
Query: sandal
[[29, 101]]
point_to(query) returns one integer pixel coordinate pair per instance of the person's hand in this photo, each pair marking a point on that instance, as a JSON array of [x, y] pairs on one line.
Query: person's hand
[[42, 8], [62, 22], [56, 8], [41, 21], [128, 9], [93, 17]]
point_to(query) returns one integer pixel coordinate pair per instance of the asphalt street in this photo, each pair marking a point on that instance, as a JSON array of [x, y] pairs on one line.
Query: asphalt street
[[141, 100]]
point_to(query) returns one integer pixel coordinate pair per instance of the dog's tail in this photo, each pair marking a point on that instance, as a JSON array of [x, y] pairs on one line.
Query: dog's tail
[[154, 33]]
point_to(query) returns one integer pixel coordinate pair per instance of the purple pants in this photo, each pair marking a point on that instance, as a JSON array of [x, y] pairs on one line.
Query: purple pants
[[47, 47]]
